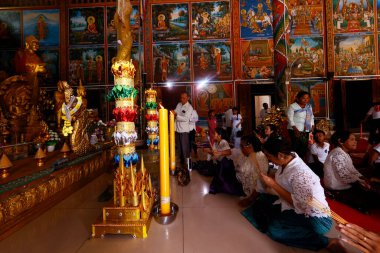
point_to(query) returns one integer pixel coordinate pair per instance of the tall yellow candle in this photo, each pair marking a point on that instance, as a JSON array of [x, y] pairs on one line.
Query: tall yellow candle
[[172, 142], [164, 162]]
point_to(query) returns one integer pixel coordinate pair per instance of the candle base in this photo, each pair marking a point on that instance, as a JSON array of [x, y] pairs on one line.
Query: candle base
[[165, 219]]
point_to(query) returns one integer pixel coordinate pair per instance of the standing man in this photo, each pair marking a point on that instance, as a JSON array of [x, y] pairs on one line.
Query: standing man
[[182, 115], [228, 122]]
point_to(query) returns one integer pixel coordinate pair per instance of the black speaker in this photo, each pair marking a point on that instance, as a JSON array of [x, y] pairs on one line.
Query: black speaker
[[330, 75]]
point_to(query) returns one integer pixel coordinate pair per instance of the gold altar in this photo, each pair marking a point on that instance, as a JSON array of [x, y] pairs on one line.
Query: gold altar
[[30, 190]]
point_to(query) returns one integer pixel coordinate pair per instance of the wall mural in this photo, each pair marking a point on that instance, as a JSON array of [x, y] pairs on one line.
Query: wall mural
[[51, 58], [170, 22], [306, 58], [212, 61], [86, 26], [354, 55], [10, 29], [43, 24], [317, 90], [257, 59], [306, 18], [211, 20], [171, 63], [256, 18], [111, 30], [86, 64], [218, 97], [7, 63], [353, 16]]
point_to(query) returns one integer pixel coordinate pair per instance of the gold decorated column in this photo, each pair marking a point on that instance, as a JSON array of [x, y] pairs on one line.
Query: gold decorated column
[[164, 161], [172, 142]]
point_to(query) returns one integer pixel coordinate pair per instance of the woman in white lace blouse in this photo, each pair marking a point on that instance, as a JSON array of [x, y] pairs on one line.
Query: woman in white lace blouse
[[344, 182], [292, 218], [249, 167]]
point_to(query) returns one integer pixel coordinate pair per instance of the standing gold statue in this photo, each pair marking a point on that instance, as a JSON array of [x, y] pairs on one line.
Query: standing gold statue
[[74, 110], [123, 29]]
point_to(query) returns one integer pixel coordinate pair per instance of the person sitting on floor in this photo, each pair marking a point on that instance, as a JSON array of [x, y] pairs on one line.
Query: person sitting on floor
[[318, 153], [270, 131], [249, 167], [374, 160], [224, 179], [341, 178], [297, 216]]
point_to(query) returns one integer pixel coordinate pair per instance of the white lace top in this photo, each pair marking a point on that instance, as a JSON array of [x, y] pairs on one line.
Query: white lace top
[[304, 186], [339, 171], [248, 174]]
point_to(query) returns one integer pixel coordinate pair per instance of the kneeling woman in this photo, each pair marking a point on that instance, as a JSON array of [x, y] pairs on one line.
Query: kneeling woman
[[299, 217], [224, 176], [342, 179]]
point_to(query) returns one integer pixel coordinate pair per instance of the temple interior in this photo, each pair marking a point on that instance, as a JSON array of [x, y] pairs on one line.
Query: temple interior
[[130, 125]]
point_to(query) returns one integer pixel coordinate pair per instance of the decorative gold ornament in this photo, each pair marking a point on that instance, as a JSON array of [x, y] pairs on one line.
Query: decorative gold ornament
[[5, 164], [40, 155], [65, 150]]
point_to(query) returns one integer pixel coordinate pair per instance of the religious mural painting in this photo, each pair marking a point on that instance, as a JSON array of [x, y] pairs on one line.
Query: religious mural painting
[[305, 57], [42, 24], [86, 26], [211, 20], [306, 17], [51, 59], [256, 19], [353, 16], [354, 55], [171, 63], [215, 96], [7, 63], [86, 64], [317, 90], [111, 29], [257, 59], [170, 22], [212, 61], [10, 29], [135, 56]]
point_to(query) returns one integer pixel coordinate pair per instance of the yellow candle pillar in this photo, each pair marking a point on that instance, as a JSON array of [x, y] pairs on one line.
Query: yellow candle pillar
[[172, 142], [164, 162]]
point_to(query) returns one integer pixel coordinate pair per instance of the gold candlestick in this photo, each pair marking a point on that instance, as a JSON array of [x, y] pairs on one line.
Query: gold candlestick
[[40, 155], [5, 164]]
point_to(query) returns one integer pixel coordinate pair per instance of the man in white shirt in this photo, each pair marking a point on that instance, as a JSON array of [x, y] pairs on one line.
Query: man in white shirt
[[264, 111], [193, 130], [228, 122], [182, 115]]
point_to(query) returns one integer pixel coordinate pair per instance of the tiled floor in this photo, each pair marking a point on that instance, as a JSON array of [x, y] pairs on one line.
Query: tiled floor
[[205, 223]]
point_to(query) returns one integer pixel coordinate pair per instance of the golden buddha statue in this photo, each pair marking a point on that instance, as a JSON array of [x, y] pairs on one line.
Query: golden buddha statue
[[27, 60], [74, 110]]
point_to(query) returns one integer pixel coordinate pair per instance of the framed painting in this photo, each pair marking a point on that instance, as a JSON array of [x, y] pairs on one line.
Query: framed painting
[[317, 90], [51, 59], [10, 29], [86, 64], [212, 61], [353, 16], [256, 19], [7, 63], [134, 21], [305, 57], [112, 51], [354, 55], [211, 20], [42, 24], [171, 63], [306, 18], [86, 26], [213, 96], [170, 22], [257, 59]]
